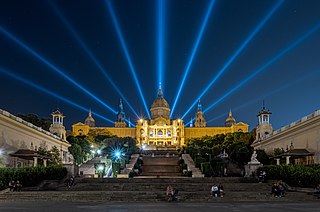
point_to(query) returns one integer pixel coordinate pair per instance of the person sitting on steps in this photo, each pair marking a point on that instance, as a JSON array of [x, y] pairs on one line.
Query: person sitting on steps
[[171, 193], [214, 190]]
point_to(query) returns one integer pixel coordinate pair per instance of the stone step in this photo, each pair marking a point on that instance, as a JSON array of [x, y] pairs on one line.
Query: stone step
[[164, 180], [127, 196], [168, 174], [159, 169], [163, 161], [162, 187]]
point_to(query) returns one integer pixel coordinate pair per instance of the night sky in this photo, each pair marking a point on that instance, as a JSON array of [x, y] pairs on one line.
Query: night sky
[[78, 40]]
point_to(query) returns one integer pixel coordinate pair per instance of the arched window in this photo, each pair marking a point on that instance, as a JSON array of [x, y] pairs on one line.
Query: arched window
[[160, 133], [151, 133], [169, 133]]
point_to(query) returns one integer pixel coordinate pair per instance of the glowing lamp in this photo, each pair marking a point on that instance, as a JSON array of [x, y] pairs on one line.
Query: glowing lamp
[[101, 168], [117, 154]]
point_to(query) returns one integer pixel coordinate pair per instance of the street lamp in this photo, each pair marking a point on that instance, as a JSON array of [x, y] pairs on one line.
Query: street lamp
[[100, 167]]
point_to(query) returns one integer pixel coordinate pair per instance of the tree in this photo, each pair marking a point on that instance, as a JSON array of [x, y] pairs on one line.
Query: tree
[[262, 157], [240, 153], [77, 153], [44, 123], [55, 155]]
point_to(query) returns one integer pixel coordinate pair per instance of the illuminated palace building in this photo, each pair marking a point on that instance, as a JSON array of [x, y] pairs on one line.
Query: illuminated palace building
[[160, 132]]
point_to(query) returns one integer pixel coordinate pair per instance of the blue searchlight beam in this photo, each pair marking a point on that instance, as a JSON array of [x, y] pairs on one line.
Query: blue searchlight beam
[[90, 54], [160, 22], [126, 52], [40, 88], [270, 62], [203, 26], [53, 67], [292, 83], [235, 55]]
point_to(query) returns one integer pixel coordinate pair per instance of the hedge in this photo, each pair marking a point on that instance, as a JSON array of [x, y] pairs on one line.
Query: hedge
[[31, 176], [294, 175]]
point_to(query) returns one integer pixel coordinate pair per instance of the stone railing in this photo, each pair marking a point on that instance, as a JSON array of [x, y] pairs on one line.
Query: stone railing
[[295, 123], [191, 166], [129, 167]]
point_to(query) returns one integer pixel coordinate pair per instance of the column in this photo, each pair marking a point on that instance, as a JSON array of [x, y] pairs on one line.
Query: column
[[35, 161], [45, 162], [287, 160], [278, 161]]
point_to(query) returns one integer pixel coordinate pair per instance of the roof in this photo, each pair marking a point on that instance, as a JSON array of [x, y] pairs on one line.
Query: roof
[[297, 153], [27, 154]]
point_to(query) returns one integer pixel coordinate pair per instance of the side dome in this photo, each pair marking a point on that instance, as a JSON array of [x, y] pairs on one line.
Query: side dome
[[160, 107], [230, 120], [90, 121]]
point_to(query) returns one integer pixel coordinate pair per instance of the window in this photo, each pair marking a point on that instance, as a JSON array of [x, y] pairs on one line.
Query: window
[[169, 133], [160, 133], [151, 133]]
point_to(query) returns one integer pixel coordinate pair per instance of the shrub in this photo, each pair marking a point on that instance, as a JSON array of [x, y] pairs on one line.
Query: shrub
[[294, 175], [206, 169], [31, 176]]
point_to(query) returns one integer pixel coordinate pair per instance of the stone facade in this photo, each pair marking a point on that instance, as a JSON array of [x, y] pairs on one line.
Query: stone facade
[[15, 134], [160, 131], [303, 134]]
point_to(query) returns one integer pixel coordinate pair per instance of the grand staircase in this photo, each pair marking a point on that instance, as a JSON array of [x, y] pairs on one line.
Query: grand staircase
[[160, 163], [153, 190], [160, 166]]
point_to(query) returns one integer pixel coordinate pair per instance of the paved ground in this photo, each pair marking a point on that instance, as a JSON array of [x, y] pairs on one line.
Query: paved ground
[[154, 207]]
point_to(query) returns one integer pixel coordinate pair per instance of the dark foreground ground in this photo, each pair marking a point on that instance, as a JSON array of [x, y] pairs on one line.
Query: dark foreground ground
[[48, 206]]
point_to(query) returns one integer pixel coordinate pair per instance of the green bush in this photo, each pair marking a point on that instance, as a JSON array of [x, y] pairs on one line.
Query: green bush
[[294, 175], [188, 174], [198, 161], [181, 161], [31, 176], [206, 169]]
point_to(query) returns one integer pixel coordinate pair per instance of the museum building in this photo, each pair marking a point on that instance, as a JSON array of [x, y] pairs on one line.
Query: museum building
[[160, 131]]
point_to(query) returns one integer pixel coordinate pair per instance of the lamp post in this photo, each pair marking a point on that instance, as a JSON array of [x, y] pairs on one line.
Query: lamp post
[[100, 168]]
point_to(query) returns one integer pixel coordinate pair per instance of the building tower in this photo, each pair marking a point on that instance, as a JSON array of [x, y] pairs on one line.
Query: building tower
[[200, 120], [264, 128], [89, 120], [57, 127], [121, 117], [230, 120]]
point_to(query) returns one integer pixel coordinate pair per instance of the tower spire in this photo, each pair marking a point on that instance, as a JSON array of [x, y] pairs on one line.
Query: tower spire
[[230, 113], [199, 106], [160, 90], [121, 106], [90, 113], [121, 116]]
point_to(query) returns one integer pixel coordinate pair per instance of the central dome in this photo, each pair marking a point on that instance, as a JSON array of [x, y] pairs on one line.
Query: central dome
[[160, 107]]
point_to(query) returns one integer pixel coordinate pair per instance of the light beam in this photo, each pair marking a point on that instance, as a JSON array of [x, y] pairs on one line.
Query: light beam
[[90, 54], [263, 67], [126, 52], [53, 67], [40, 88], [235, 55], [160, 22], [203, 26], [292, 83]]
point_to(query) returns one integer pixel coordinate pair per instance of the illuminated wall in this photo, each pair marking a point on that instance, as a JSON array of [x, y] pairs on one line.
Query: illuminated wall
[[301, 134], [15, 134], [198, 132]]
